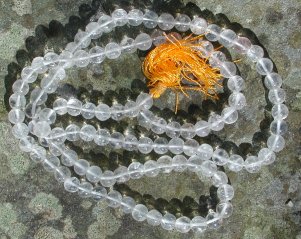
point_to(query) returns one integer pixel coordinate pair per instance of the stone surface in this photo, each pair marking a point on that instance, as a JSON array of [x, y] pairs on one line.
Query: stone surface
[[266, 205]]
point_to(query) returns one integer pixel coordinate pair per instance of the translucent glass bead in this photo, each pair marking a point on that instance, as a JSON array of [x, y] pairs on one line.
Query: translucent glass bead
[[81, 58], [97, 54], [117, 140], [158, 37], [135, 17], [88, 110], [202, 128], [82, 39], [127, 45], [219, 178], [277, 96], [225, 192], [198, 225], [161, 145], [48, 115], [99, 193], [66, 59], [49, 85], [168, 221], [252, 164], [206, 49], [42, 129], [224, 209], [166, 21], [182, 224], [159, 125], [87, 133], [120, 17], [117, 112], [264, 66], [102, 137], [114, 199], [227, 69], [57, 135], [51, 163], [198, 26], [182, 22], [72, 132], [20, 87], [145, 145], [188, 131], [208, 168], [81, 166], [121, 174], [266, 156], [20, 130], [165, 163], [154, 217], [56, 149], [16, 116], [175, 145], [220, 157], [112, 50], [38, 96], [106, 23], [94, 30], [242, 45], [85, 189], [128, 204], [278, 127], [38, 154], [276, 143], [39, 65], [235, 163], [29, 75], [279, 111], [255, 53], [131, 109], [108, 178], [179, 163], [130, 142], [205, 151], [60, 106], [144, 100], [217, 58], [150, 19], [236, 83], [102, 112], [194, 163], [213, 220], [74, 107], [139, 212], [216, 122], [93, 174], [69, 157], [51, 58], [143, 41], [135, 170], [273, 81], [213, 32], [71, 184], [17, 101], [151, 168], [229, 115], [227, 37], [173, 129], [237, 100], [26, 144], [190, 147]]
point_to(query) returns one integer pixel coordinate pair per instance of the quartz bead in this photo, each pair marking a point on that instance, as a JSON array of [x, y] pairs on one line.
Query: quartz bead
[[135, 170], [97, 54], [127, 45], [130, 142], [93, 174], [143, 41], [103, 112], [81, 166], [20, 87], [16, 116], [179, 163], [182, 224], [94, 30], [150, 19], [112, 50], [235, 163], [219, 178], [145, 118], [190, 147], [224, 209], [135, 17], [117, 112], [206, 49], [166, 21], [29, 75], [205, 151], [114, 199], [227, 37], [51, 163], [236, 83], [242, 45], [57, 135], [99, 193], [198, 225], [87, 133], [139, 212], [38, 96], [276, 96], [216, 122], [39, 65], [106, 23], [278, 127], [279, 111], [48, 84], [202, 128], [26, 144], [74, 107], [131, 109], [47, 115], [88, 110], [102, 137], [188, 131], [172, 129], [82, 39], [158, 37], [85, 190], [128, 204], [38, 153], [117, 140], [71, 184], [120, 17], [220, 157], [182, 22], [227, 69], [255, 53], [266, 156], [51, 58], [161, 145], [42, 129], [108, 178], [159, 125], [225, 192], [168, 221], [276, 143], [69, 157], [194, 163], [151, 168], [264, 66], [144, 101], [72, 132], [60, 106], [237, 100], [121, 174], [175, 145], [217, 58], [20, 130], [165, 163], [17, 101], [154, 217], [145, 145], [66, 59], [273, 81], [198, 26], [81, 58], [56, 149], [213, 32], [252, 164], [229, 115], [208, 168], [213, 220]]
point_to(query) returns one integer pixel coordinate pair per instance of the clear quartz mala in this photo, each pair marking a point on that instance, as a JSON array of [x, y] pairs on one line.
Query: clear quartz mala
[[32, 120]]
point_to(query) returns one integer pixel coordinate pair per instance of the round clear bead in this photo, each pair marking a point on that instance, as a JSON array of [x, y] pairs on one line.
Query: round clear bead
[[237, 100], [219, 178], [159, 125], [51, 58], [99, 193], [166, 21], [17, 101], [213, 220], [252, 164], [131, 109], [235, 163], [145, 145], [135, 170], [227, 69], [198, 225], [161, 145], [179, 163], [165, 163], [208, 168], [266, 156], [225, 193], [144, 101], [216, 122], [279, 111], [135, 17], [190, 147], [48, 115], [16, 116], [227, 37], [276, 143], [213, 32], [202, 128], [151, 168], [93, 174], [20, 87], [175, 145], [20, 130], [117, 140], [229, 115], [128, 204], [194, 163], [143, 41], [106, 23], [127, 45], [205, 151], [182, 224], [82, 39], [42, 129], [102, 112], [278, 127], [29, 75], [198, 26], [71, 184], [121, 174], [182, 22], [158, 37], [139, 212], [154, 217], [38, 96], [277, 96], [60, 106], [108, 178], [81, 58], [273, 81], [188, 131], [112, 50], [97, 54], [26, 144], [74, 107], [224, 209], [87, 133], [264, 66], [57, 135], [168, 221], [81, 166], [85, 190], [150, 19], [69, 157], [94, 30], [72, 132], [51, 163], [173, 129], [236, 83], [255, 53], [242, 45], [117, 112], [120, 17], [130, 143], [102, 137], [39, 65], [88, 110], [114, 199], [220, 157]]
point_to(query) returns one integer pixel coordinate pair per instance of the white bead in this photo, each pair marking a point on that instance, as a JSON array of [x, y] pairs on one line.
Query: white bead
[[97, 54], [208, 168], [225, 192], [264, 66], [229, 115], [81, 166], [255, 53], [108, 178], [85, 189], [112, 50], [276, 143], [205, 151], [39, 65], [278, 127], [135, 17], [194, 163], [219, 178], [202, 128], [20, 130], [117, 140], [213, 32], [99, 193], [220, 157], [121, 174], [42, 129], [20, 87], [93, 174], [128, 204], [74, 107], [182, 224], [127, 45], [72, 132], [175, 145], [114, 199], [150, 19], [173, 129], [94, 30], [82, 39], [188, 131], [279, 111], [182, 22], [277, 96], [227, 69], [88, 110], [160, 145], [57, 135], [168, 221], [135, 170], [236, 83], [71, 184], [81, 58], [198, 26], [198, 225], [143, 41], [235, 163], [224, 209], [272, 81], [145, 145], [69, 157], [190, 147], [214, 221], [106, 23], [216, 122], [227, 37], [62, 173], [166, 21], [179, 163], [139, 212], [16, 116], [159, 125], [252, 164], [102, 112], [242, 45], [48, 115], [165, 163], [120, 17], [237, 100], [266, 156], [60, 106], [29, 75], [154, 217]]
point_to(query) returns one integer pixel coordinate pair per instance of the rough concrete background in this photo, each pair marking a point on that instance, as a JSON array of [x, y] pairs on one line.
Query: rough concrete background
[[267, 205]]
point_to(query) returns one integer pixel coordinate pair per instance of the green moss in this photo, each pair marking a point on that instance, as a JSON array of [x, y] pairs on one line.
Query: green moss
[[48, 233]]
